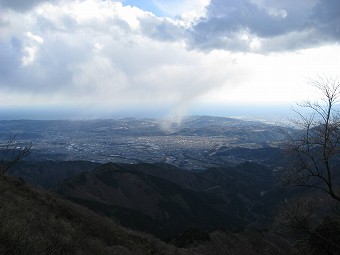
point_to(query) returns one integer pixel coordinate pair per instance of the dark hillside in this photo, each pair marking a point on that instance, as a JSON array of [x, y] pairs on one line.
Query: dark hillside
[[35, 222], [165, 200], [47, 174], [266, 155], [143, 201]]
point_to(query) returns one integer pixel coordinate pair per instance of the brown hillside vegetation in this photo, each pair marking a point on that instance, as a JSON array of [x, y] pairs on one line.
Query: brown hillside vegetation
[[35, 222]]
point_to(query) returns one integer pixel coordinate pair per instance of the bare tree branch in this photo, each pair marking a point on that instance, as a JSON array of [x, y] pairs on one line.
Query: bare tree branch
[[11, 153], [315, 149]]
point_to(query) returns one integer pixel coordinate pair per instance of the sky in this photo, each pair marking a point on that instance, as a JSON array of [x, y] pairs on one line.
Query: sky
[[169, 56]]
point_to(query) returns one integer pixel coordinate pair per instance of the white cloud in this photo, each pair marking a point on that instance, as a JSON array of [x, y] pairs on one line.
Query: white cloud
[[97, 48], [29, 55], [180, 7], [31, 50], [35, 38], [97, 52]]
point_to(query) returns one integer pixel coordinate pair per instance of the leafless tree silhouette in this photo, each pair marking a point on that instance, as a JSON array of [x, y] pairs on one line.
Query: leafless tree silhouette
[[11, 153], [315, 151]]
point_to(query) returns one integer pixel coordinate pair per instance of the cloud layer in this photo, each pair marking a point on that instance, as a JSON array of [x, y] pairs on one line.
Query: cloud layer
[[107, 52], [100, 52], [245, 25], [267, 26]]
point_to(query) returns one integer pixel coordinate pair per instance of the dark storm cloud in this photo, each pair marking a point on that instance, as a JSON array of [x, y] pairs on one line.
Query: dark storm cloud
[[232, 25], [327, 19], [21, 5]]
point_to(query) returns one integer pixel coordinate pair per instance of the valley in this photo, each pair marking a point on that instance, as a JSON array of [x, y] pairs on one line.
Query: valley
[[168, 188], [163, 177], [196, 143]]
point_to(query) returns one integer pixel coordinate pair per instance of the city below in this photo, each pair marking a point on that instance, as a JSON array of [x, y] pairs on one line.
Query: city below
[[197, 142]]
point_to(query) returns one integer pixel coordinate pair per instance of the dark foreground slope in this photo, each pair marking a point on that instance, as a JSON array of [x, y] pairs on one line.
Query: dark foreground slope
[[35, 222], [165, 201]]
